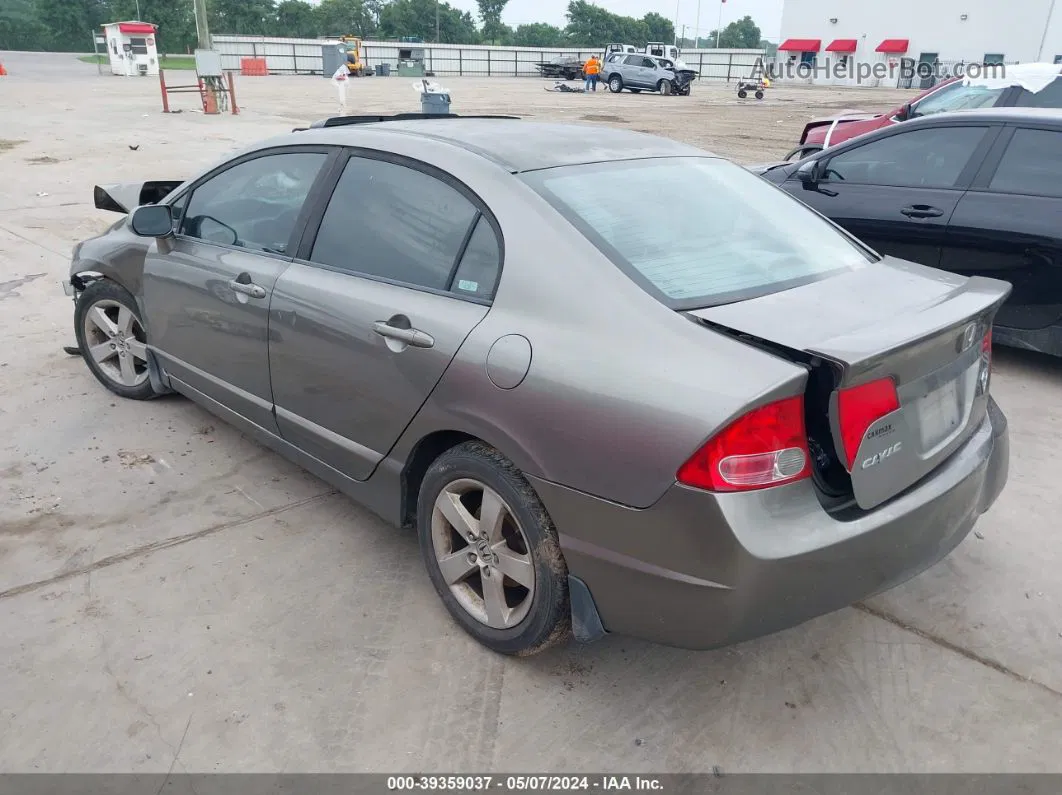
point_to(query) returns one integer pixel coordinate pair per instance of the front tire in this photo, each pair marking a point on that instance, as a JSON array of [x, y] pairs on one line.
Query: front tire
[[113, 340], [492, 552], [664, 88]]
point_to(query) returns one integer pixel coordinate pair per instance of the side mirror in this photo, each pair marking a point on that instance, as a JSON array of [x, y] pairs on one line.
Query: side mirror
[[808, 172], [152, 220], [905, 113]]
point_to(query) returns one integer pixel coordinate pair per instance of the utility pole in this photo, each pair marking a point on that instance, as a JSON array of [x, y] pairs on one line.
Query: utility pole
[[678, 6], [719, 27], [202, 28], [697, 27], [437, 3]]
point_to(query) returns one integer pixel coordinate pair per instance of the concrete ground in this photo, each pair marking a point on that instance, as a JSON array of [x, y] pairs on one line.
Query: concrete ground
[[174, 597]]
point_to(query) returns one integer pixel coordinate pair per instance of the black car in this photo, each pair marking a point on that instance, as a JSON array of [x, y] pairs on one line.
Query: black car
[[974, 192], [563, 67]]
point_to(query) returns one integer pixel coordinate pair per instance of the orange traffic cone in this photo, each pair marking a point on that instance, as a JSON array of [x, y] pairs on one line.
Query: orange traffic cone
[[3, 71]]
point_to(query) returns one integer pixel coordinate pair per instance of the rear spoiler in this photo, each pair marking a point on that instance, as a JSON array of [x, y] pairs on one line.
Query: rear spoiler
[[127, 196]]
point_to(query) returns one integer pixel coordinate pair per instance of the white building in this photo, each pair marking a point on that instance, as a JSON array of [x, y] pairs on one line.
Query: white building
[[832, 35], [131, 47]]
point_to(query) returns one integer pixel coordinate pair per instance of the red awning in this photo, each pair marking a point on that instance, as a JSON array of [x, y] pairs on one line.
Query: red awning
[[136, 27], [842, 45], [895, 46], [800, 45]]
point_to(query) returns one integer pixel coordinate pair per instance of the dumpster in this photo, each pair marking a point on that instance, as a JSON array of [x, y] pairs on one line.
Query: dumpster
[[383, 70]]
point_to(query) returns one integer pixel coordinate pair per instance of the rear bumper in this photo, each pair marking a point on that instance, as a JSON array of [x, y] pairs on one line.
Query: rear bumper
[[699, 571]]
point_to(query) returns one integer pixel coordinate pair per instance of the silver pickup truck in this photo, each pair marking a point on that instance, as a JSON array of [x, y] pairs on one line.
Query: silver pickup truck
[[637, 73]]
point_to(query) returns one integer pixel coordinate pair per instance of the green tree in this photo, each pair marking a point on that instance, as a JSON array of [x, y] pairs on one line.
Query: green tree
[[345, 18], [400, 18], [490, 12], [21, 27], [297, 19], [242, 17], [660, 28], [175, 21], [66, 24], [539, 34], [590, 25], [741, 34]]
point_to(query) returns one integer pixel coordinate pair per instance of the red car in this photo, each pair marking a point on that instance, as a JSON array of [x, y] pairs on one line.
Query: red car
[[946, 95]]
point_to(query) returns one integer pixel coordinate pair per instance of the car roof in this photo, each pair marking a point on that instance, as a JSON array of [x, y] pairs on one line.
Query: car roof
[[1002, 115], [518, 145]]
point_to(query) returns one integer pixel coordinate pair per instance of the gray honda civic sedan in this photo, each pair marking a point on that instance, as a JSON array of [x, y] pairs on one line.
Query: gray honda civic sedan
[[694, 422]]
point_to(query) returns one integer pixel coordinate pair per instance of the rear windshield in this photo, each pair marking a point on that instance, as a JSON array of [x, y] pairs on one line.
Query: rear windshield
[[698, 232]]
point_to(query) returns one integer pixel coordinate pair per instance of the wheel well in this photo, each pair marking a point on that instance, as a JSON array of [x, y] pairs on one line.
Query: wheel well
[[423, 456]]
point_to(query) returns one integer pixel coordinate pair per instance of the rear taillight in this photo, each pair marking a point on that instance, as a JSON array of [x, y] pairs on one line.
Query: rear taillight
[[766, 447], [986, 362], [859, 407]]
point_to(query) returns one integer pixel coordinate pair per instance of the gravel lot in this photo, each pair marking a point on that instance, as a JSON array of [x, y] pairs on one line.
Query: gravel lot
[[174, 597]]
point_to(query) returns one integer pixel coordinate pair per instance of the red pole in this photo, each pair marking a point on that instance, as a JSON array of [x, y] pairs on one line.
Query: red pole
[[232, 94], [165, 99]]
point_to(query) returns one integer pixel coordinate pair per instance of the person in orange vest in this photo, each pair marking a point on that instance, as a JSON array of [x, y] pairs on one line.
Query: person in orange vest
[[592, 70]]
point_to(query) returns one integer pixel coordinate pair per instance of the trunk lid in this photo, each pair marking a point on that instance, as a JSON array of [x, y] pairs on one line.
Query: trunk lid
[[920, 327]]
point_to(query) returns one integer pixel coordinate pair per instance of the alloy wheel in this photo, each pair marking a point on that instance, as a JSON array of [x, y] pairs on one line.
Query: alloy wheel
[[115, 341], [482, 553]]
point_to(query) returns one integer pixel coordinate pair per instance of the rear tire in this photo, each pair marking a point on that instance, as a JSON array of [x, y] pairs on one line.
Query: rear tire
[[742, 94], [759, 95], [113, 340], [481, 572], [615, 84]]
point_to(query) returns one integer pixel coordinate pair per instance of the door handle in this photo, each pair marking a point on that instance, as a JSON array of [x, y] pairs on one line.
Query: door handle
[[252, 290], [922, 211], [410, 336]]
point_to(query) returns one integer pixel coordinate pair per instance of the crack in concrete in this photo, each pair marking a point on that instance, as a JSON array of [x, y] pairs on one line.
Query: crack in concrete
[[156, 546], [176, 755], [31, 241], [937, 640]]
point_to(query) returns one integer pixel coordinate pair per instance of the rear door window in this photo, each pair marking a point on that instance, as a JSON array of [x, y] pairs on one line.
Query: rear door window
[[926, 158], [397, 223], [1032, 165], [477, 273]]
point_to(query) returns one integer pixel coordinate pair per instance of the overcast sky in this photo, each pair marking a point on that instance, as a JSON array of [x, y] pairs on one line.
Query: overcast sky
[[766, 13]]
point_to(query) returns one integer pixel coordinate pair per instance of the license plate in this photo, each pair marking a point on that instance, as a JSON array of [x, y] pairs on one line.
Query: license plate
[[939, 414]]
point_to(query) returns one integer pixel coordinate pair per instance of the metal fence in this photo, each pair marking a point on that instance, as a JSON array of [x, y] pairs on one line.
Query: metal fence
[[303, 56]]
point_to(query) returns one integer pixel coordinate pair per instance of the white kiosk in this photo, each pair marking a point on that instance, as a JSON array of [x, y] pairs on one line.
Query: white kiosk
[[131, 48]]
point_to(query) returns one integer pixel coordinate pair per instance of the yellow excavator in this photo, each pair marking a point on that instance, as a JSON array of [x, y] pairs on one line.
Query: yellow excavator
[[355, 63]]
